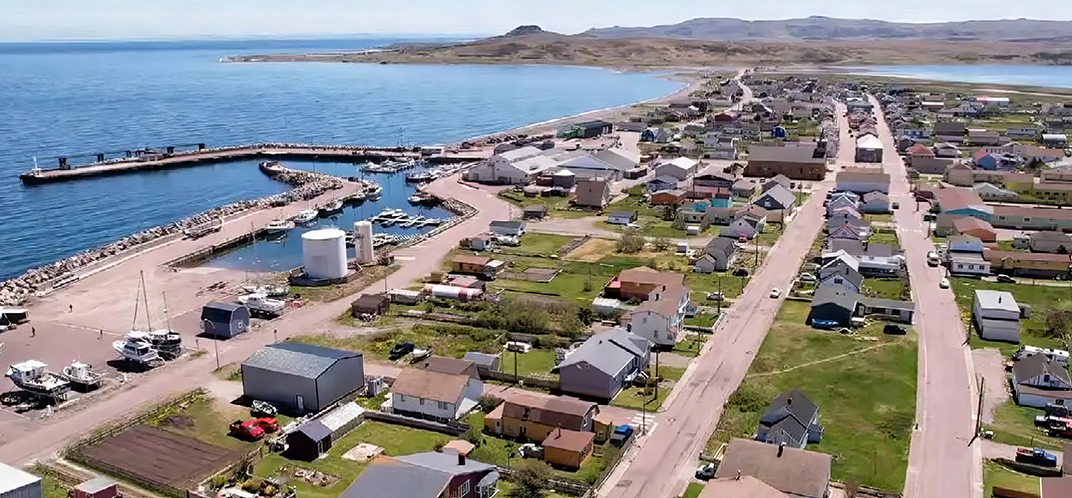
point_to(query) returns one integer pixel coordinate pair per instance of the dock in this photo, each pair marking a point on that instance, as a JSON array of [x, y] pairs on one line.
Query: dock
[[169, 158]]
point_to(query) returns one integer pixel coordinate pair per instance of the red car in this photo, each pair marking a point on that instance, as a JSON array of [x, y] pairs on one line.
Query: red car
[[269, 424], [248, 430]]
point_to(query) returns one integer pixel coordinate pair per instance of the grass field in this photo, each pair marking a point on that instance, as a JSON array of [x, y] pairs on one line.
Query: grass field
[[395, 441], [557, 207], [539, 243], [995, 474], [653, 398], [445, 340], [884, 288], [693, 490], [883, 237], [702, 320], [537, 362], [1032, 330], [866, 399], [1015, 425]]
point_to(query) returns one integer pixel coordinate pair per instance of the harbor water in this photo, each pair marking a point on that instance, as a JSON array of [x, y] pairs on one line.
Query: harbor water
[[80, 99]]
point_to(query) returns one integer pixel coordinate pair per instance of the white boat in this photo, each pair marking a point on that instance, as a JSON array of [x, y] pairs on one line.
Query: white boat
[[333, 207], [13, 315], [357, 197], [137, 347], [79, 373], [259, 302], [167, 343], [270, 290], [31, 376], [413, 222], [374, 192], [272, 168], [305, 216], [279, 226]]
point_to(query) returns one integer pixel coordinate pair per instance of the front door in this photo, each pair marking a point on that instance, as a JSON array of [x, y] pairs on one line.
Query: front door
[[299, 401]]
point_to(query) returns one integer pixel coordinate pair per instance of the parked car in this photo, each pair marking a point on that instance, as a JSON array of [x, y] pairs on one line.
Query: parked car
[[621, 434], [706, 472], [401, 349], [933, 259], [268, 424], [715, 296], [807, 277], [1005, 279], [1037, 456], [530, 450], [896, 205], [944, 283], [775, 292], [246, 430]]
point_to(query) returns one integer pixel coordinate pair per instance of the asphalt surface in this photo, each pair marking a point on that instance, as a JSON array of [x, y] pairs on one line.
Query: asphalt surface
[[941, 461]]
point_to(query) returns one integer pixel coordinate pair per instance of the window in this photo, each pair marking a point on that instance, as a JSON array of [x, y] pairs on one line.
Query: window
[[402, 398], [421, 401], [444, 406], [463, 490]]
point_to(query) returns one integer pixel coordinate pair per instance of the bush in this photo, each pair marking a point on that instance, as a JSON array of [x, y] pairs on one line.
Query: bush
[[629, 243], [531, 477], [489, 403], [661, 243], [438, 445]]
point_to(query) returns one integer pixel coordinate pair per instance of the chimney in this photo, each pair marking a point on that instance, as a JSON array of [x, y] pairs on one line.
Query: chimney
[[738, 475], [781, 448], [789, 401], [461, 459]]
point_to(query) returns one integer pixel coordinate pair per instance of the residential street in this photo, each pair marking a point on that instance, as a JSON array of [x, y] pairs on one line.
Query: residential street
[[941, 462]]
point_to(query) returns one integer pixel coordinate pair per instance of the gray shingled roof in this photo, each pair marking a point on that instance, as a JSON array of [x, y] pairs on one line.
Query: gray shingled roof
[[387, 477], [302, 360], [445, 462], [608, 352], [829, 295], [781, 197]]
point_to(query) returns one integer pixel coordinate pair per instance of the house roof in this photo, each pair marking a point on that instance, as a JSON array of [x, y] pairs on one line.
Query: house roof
[[743, 183], [666, 305], [670, 180], [519, 154], [315, 430], [837, 297], [965, 223], [536, 208], [991, 255], [620, 159], [779, 179], [957, 198], [12, 478], [745, 487], [547, 409], [370, 300], [784, 154], [873, 175], [444, 462], [340, 416], [845, 271], [1033, 212], [96, 485], [608, 352], [1050, 236], [618, 214], [460, 447], [791, 412], [779, 195], [507, 224], [426, 384], [449, 366], [568, 440], [996, 300], [1036, 365], [920, 150], [868, 142], [302, 360], [646, 275], [471, 259], [387, 477], [721, 245], [790, 470], [481, 359], [876, 196], [219, 312]]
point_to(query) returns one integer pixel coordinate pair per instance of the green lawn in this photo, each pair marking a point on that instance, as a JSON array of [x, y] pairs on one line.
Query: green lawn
[[882, 218], [633, 203], [884, 288], [394, 439], [770, 234], [557, 207], [631, 397], [700, 284], [693, 490], [866, 399], [702, 320], [995, 474], [1015, 425], [690, 346], [537, 362], [445, 340], [1032, 330], [539, 243], [880, 236]]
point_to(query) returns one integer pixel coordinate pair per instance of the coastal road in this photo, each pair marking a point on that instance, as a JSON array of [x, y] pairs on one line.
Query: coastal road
[[940, 462], [22, 440]]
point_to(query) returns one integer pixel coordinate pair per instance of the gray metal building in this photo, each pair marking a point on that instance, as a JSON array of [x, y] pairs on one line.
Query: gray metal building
[[224, 319], [300, 377], [15, 483]]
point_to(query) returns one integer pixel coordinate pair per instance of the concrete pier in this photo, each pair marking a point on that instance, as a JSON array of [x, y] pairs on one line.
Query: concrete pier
[[223, 154]]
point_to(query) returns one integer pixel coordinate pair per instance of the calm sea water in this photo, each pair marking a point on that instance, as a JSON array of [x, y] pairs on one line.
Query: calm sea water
[[1048, 76], [78, 99]]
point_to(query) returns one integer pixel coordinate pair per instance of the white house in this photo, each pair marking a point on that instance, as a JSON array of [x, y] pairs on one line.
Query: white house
[[660, 320], [1039, 380], [434, 395], [680, 168], [996, 315], [512, 167]]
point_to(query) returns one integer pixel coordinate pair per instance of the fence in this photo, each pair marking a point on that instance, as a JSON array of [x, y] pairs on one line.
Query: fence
[[509, 377], [451, 430], [559, 485]]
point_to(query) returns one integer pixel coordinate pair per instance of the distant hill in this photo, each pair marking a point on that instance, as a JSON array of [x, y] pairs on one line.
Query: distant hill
[[818, 28]]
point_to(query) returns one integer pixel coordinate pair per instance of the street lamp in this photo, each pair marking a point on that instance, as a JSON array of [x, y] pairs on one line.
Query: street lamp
[[215, 339]]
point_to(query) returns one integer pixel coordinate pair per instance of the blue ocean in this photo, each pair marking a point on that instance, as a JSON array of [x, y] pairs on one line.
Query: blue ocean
[[81, 99]]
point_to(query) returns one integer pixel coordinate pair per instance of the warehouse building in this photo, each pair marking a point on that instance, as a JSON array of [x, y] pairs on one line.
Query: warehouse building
[[15, 483], [300, 377]]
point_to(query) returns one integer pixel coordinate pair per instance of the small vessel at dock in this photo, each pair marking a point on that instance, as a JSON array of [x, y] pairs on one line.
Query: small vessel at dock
[[279, 226], [261, 303], [333, 207], [167, 343], [420, 176], [137, 347], [272, 168], [306, 216], [31, 376], [82, 375], [374, 192]]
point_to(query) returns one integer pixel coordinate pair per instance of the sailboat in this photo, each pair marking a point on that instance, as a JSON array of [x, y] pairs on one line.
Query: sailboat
[[147, 346]]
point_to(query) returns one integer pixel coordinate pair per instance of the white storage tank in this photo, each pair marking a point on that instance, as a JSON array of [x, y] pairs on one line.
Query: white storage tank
[[463, 294], [363, 242], [324, 253]]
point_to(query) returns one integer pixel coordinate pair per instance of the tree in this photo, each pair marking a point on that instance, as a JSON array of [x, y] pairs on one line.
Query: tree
[[670, 212], [661, 243], [629, 243], [532, 477]]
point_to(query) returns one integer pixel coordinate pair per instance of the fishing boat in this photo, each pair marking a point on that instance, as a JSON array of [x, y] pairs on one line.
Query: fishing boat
[[422, 198], [272, 168], [137, 347], [420, 176], [261, 303], [333, 207], [305, 216], [374, 192], [167, 343], [357, 197], [82, 375], [31, 376], [279, 226]]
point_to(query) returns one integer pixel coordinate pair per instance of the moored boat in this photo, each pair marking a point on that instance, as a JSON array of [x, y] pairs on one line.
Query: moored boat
[[279, 226], [333, 207], [305, 216], [272, 168]]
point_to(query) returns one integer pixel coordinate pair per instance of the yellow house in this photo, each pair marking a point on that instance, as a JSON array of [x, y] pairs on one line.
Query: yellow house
[[535, 415], [1019, 182], [566, 448]]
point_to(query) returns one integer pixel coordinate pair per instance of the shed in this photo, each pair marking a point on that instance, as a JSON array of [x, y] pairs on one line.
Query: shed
[[315, 437], [567, 448], [227, 320], [483, 361], [370, 304], [301, 377], [535, 212], [100, 487], [15, 483]]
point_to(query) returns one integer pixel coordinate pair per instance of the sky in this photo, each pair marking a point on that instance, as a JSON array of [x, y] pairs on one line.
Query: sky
[[39, 20]]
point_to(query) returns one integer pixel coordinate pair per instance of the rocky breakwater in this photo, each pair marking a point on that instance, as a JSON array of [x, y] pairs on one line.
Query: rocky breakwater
[[18, 290]]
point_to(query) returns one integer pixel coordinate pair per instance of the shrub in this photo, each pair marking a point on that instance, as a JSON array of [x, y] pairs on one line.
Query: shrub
[[531, 477], [489, 402], [629, 243], [438, 445], [661, 243]]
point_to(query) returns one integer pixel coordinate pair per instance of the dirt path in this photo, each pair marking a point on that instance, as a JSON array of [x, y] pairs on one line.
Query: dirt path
[[988, 364]]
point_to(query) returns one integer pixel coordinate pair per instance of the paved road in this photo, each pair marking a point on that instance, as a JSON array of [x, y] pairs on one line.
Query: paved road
[[22, 440], [941, 463]]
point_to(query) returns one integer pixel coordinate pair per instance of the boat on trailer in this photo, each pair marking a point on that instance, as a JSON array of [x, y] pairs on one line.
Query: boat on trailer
[[82, 375], [31, 376]]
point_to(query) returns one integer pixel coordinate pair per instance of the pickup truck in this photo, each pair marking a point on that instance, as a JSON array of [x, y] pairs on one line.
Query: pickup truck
[[248, 430], [1037, 456]]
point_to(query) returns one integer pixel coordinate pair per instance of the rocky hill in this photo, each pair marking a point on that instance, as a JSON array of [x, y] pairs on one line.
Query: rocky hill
[[818, 28]]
